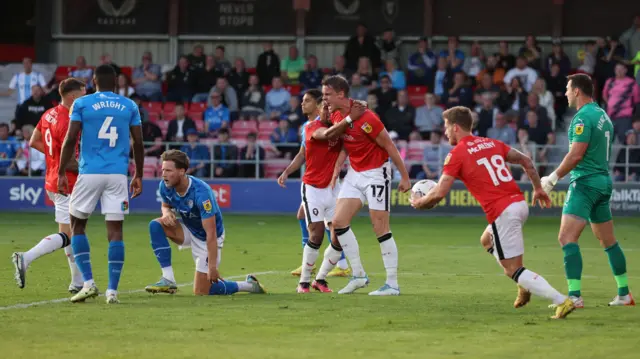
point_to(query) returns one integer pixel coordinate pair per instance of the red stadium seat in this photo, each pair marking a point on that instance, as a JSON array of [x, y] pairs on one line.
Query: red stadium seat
[[415, 150], [240, 129], [197, 107], [164, 126], [199, 123], [154, 116], [168, 116], [274, 168], [169, 107], [265, 128], [155, 107], [294, 90], [127, 70], [62, 72], [150, 167], [195, 115], [416, 95], [267, 88], [252, 70]]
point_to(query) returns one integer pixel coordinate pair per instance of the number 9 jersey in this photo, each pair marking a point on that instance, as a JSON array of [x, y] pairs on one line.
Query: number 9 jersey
[[480, 164]]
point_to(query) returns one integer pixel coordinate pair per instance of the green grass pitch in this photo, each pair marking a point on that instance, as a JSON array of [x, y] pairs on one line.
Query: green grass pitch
[[454, 304]]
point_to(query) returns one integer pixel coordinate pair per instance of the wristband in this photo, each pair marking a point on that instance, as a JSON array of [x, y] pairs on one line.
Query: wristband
[[553, 177], [348, 119]]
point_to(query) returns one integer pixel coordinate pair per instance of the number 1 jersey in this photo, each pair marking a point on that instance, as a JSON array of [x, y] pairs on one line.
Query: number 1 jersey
[[105, 142], [480, 164]]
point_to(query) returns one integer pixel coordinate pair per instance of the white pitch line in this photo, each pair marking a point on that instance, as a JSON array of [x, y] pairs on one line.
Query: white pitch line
[[625, 249], [61, 300]]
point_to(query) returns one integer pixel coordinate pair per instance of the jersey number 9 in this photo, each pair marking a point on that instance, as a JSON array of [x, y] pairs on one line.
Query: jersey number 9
[[108, 133], [48, 141]]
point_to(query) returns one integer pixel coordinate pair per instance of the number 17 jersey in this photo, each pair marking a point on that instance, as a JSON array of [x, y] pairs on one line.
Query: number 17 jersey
[[105, 142], [480, 164]]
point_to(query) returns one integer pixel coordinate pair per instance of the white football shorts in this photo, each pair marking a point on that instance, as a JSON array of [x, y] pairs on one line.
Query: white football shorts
[[506, 231], [319, 204], [111, 190], [61, 204], [372, 186], [199, 249]]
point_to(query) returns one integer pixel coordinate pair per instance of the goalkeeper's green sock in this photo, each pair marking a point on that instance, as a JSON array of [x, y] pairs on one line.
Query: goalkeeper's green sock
[[618, 265], [573, 268]]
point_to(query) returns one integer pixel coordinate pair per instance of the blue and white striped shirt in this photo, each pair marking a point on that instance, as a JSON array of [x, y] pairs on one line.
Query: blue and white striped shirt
[[23, 82]]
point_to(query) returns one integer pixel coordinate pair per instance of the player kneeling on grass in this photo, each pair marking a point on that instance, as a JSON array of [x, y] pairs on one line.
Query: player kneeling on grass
[[481, 164], [200, 228]]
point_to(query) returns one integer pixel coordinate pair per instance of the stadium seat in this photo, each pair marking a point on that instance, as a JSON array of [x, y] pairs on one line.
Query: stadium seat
[[150, 167], [127, 70], [195, 115], [155, 107], [154, 116], [168, 116], [416, 95], [239, 142], [164, 126], [274, 168], [265, 128], [294, 90], [62, 72], [240, 129], [415, 150], [266, 88], [169, 107], [252, 70], [199, 123], [270, 150], [197, 107]]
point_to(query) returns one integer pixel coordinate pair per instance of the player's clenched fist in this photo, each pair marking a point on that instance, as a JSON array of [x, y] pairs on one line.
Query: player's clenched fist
[[405, 185], [282, 179], [136, 187], [63, 184]]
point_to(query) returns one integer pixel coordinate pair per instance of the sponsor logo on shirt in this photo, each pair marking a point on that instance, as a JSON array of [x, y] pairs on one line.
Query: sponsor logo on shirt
[[579, 128], [367, 127], [207, 205]]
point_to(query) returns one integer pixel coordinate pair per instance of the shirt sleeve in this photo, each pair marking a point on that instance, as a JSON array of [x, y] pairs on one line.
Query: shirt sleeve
[[14, 82], [135, 116], [207, 204], [452, 164], [162, 190], [581, 131], [76, 111], [41, 81], [371, 125]]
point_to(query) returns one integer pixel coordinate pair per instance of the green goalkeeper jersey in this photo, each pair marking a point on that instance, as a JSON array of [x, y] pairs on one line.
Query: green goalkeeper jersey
[[592, 125]]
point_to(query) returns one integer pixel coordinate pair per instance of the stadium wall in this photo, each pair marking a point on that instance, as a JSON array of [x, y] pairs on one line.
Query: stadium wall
[[266, 197]]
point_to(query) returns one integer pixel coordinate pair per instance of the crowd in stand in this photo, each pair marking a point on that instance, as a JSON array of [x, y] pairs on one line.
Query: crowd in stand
[[214, 108]]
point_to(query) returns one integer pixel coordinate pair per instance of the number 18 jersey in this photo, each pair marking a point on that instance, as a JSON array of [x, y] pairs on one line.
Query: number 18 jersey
[[105, 142], [480, 164]]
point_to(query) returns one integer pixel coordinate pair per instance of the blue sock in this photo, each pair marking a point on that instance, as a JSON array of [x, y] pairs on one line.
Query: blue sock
[[80, 245], [160, 244], [116, 261], [223, 288], [305, 232]]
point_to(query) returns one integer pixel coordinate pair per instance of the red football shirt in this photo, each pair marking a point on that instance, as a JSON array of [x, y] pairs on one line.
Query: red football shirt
[[53, 126], [320, 157], [360, 141], [480, 164]]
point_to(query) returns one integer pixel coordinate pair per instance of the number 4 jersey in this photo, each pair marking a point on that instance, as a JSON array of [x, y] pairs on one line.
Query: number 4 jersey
[[480, 164], [106, 120], [53, 127]]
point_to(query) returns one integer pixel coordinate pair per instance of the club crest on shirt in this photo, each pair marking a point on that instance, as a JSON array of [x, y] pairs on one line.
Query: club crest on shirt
[[446, 159], [579, 128], [190, 203], [207, 205], [367, 127]]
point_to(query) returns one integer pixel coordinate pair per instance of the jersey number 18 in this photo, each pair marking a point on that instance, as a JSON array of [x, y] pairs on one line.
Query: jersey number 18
[[108, 133], [497, 169]]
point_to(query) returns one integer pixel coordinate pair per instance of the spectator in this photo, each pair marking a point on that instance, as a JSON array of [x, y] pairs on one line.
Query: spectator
[[144, 114], [253, 101], [147, 79], [621, 94], [398, 81], [357, 91], [429, 116], [545, 99], [340, 69], [557, 55], [7, 152], [229, 96], [216, 116], [252, 152], [500, 131], [610, 55], [82, 72], [486, 86], [631, 38], [178, 127], [239, 77], [513, 97], [474, 63], [292, 66], [433, 157], [277, 99], [386, 95], [389, 47], [533, 104], [532, 53], [541, 135], [528, 148], [31, 110], [268, 65], [453, 55], [442, 79], [460, 93], [294, 114], [311, 77], [588, 58], [402, 150], [205, 79], [487, 114], [105, 59], [361, 45], [496, 74], [179, 82], [421, 64], [222, 64], [123, 87], [372, 104], [197, 58], [506, 61], [367, 76], [225, 155], [401, 118], [283, 137], [198, 154], [557, 85], [633, 139], [25, 81], [29, 161], [151, 133], [524, 73]]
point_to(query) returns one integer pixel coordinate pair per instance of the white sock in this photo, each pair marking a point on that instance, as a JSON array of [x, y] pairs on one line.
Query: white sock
[[167, 273], [390, 259], [331, 255], [89, 283], [76, 275], [351, 250], [537, 285], [45, 246], [309, 257], [343, 264], [244, 286], [110, 291]]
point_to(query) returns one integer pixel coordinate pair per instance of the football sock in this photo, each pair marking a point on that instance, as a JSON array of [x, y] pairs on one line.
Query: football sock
[[573, 268], [331, 256], [351, 249], [537, 285], [618, 265], [162, 249], [81, 254], [223, 288], [76, 276], [304, 230], [309, 257], [116, 262], [342, 263], [244, 286], [46, 246], [389, 258]]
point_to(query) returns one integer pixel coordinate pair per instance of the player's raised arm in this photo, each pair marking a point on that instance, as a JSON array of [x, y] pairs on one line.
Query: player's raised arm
[[36, 140], [383, 140], [295, 165], [436, 194]]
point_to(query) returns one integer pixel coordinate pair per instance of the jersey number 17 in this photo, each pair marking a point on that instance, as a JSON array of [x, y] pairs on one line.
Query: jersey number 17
[[108, 133]]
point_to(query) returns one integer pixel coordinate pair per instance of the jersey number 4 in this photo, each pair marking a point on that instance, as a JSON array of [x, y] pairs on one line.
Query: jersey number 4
[[108, 132], [497, 168]]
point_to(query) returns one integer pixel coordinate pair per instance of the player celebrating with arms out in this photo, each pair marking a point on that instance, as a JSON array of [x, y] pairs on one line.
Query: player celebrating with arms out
[[108, 121], [481, 164], [318, 190], [368, 179], [53, 127], [200, 228], [590, 137]]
